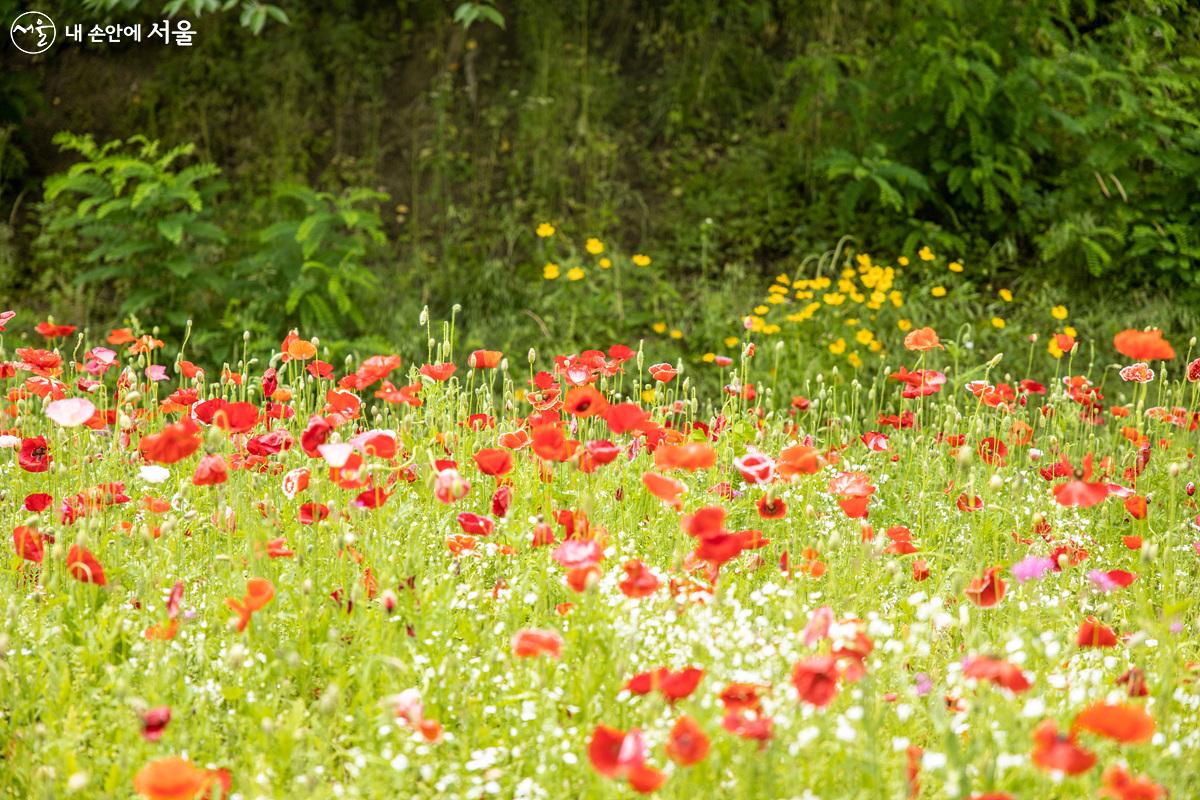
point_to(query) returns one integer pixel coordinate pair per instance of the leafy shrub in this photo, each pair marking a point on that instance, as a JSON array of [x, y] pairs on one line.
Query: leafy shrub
[[138, 222]]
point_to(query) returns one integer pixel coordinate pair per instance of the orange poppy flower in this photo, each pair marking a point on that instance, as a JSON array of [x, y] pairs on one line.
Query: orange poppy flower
[[259, 592], [295, 348], [691, 456], [1114, 721], [584, 402], [922, 339], [1143, 345], [174, 778], [484, 359]]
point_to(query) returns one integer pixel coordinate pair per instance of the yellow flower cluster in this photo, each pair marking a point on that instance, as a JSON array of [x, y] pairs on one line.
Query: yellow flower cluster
[[551, 271]]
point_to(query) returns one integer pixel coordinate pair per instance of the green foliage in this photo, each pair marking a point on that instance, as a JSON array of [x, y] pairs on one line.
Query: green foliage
[[727, 139], [252, 14], [312, 264], [467, 14], [128, 217]]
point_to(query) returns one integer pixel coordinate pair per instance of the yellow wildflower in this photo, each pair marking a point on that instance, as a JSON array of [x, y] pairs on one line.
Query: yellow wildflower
[[659, 327], [904, 324], [864, 336], [838, 347], [676, 333], [594, 246], [938, 291], [550, 272], [1059, 312], [545, 230], [1006, 295], [998, 322], [954, 266], [604, 263], [731, 341], [925, 254], [575, 274], [640, 260]]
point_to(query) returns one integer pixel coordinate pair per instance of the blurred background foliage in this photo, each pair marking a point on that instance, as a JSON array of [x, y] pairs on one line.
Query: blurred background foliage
[[339, 165]]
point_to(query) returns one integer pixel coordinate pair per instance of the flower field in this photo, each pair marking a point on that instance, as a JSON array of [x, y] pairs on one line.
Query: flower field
[[575, 575]]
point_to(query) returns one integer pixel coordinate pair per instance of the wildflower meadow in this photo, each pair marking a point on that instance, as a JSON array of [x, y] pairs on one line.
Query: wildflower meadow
[[573, 575], [531, 400]]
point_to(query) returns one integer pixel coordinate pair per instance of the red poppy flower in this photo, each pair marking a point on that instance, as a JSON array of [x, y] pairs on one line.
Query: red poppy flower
[[617, 754], [235, 417], [532, 642], [550, 443], [815, 678], [53, 331], [772, 507], [84, 567], [1120, 722], [998, 671], [663, 373], [969, 503], [29, 543], [438, 372], [755, 726], [475, 524], [986, 591], [34, 455], [1054, 752], [309, 513], [622, 417], [1136, 506], [639, 580], [278, 548], [992, 451], [1120, 785], [154, 723], [493, 461], [211, 470], [687, 743], [1095, 634], [757, 468]]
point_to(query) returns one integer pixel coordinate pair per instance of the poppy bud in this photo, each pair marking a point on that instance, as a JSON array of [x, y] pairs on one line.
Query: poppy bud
[[389, 600], [1191, 489]]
